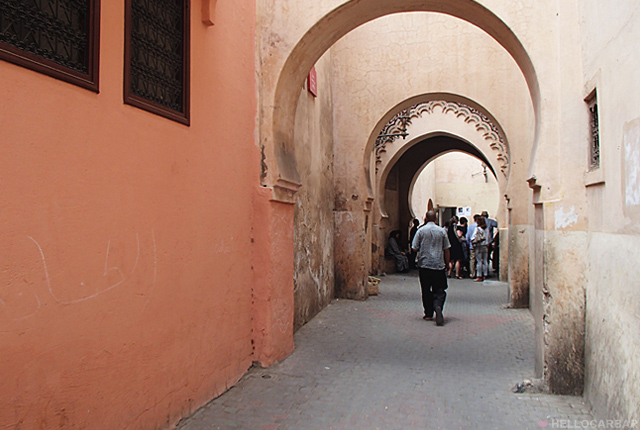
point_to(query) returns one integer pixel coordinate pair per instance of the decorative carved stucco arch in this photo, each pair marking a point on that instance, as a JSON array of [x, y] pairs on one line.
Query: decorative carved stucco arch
[[283, 174], [465, 121]]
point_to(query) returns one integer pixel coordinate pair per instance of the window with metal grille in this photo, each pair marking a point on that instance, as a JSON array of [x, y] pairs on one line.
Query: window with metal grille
[[594, 157], [56, 37], [157, 57]]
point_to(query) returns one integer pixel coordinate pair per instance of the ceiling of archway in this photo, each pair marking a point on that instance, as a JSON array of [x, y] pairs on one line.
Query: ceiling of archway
[[395, 128], [413, 160]]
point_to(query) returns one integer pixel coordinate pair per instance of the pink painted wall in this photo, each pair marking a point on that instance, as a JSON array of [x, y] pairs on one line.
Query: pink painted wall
[[126, 277]]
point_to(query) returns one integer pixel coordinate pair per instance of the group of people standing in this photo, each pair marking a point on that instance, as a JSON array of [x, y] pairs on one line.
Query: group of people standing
[[438, 251], [472, 246]]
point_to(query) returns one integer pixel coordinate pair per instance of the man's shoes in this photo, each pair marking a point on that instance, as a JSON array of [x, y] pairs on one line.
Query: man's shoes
[[427, 318], [439, 316]]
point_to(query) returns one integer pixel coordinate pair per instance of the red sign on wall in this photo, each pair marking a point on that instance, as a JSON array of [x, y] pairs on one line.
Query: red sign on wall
[[312, 82]]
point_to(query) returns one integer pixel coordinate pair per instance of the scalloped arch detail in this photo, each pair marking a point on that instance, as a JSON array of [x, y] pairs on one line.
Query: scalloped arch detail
[[489, 131]]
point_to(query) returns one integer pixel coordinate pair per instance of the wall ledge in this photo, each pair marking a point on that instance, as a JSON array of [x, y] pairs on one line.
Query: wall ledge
[[594, 177], [284, 191], [208, 7]]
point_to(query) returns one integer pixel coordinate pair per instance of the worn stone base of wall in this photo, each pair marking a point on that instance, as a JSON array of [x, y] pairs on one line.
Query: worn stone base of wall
[[350, 258], [517, 249], [613, 327], [561, 322]]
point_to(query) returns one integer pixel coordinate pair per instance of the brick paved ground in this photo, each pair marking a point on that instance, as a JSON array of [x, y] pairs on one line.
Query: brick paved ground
[[378, 365]]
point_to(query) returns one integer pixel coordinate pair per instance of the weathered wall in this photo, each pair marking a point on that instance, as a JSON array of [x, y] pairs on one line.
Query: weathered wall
[[610, 65], [388, 224], [313, 228], [558, 165], [612, 327], [125, 289]]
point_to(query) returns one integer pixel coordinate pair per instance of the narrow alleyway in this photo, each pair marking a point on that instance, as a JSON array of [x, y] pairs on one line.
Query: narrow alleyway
[[379, 365]]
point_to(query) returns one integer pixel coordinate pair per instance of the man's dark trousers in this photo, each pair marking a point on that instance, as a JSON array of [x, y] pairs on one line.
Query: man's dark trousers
[[433, 284]]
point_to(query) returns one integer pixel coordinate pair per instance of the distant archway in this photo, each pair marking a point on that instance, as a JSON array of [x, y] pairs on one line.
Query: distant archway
[[472, 182], [440, 114], [415, 154]]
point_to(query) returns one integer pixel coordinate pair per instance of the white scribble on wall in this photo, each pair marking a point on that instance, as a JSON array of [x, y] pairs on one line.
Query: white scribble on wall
[[35, 301], [282, 318]]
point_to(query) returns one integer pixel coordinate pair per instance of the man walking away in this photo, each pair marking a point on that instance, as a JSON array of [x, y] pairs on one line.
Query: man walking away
[[432, 246]]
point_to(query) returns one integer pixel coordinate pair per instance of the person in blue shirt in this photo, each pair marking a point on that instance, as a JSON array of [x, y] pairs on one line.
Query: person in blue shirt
[[492, 229], [472, 248]]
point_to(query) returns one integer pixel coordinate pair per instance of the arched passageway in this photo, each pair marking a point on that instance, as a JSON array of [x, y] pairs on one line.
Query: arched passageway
[[353, 219], [354, 226], [435, 124], [397, 183]]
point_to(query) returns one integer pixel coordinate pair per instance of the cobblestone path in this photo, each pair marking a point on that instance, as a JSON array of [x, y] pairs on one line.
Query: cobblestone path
[[378, 365]]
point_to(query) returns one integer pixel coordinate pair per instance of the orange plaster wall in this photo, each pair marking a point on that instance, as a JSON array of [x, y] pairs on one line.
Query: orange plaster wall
[[125, 277], [273, 286]]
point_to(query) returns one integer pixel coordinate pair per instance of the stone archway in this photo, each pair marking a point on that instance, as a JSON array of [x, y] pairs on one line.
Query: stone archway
[[280, 159], [461, 118]]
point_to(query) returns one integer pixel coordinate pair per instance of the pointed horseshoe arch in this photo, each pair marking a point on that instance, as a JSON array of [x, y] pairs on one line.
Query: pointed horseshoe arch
[[282, 172], [439, 114]]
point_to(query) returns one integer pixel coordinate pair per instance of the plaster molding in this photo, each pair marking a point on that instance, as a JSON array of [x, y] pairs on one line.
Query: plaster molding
[[368, 204], [594, 177], [483, 125], [208, 7], [537, 188], [284, 191]]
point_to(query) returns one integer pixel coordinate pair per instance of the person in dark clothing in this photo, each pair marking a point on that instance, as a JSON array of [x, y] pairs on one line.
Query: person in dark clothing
[[393, 250], [457, 255], [412, 234], [492, 230], [462, 238]]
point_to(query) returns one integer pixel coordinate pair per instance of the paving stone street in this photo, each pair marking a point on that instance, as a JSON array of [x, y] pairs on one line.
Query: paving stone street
[[378, 365]]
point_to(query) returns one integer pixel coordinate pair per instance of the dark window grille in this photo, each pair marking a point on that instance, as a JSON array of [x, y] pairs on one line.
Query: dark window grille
[[594, 159], [157, 57], [56, 37]]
